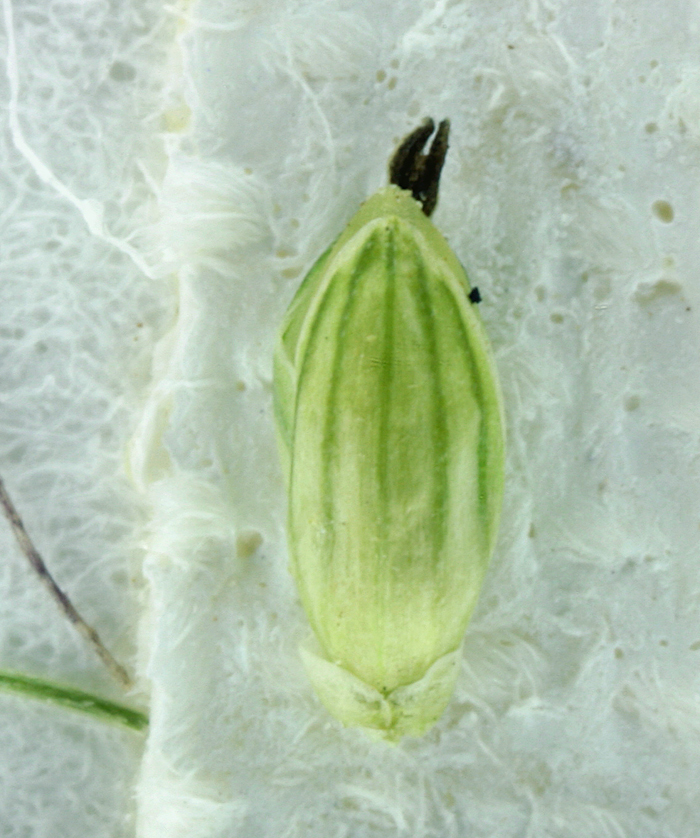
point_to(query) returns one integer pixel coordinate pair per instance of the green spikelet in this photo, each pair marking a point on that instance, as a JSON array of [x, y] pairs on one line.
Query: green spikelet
[[391, 433]]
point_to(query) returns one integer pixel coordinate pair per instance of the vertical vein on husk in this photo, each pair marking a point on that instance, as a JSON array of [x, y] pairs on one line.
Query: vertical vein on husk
[[483, 432], [383, 568], [327, 433], [329, 441], [439, 428]]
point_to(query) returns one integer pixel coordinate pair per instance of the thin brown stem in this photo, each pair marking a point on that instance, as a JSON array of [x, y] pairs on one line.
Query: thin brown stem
[[88, 632]]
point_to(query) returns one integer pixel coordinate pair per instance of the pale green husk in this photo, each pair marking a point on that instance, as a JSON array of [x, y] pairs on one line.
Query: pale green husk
[[390, 425]]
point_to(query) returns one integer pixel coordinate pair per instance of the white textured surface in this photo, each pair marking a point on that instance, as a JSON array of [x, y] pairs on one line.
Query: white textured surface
[[81, 95], [576, 713]]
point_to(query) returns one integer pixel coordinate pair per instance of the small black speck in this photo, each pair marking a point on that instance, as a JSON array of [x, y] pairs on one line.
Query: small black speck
[[474, 295]]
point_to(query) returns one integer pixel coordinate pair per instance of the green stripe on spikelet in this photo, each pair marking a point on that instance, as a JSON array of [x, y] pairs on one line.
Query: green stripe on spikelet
[[390, 423]]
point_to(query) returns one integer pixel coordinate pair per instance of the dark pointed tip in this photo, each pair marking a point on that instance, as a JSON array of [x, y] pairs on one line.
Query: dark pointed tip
[[419, 173]]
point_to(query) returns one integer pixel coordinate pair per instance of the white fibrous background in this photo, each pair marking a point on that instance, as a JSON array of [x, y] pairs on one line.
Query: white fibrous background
[[169, 173]]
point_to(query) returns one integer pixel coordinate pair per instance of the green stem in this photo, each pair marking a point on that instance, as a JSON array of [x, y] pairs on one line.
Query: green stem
[[84, 702]]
